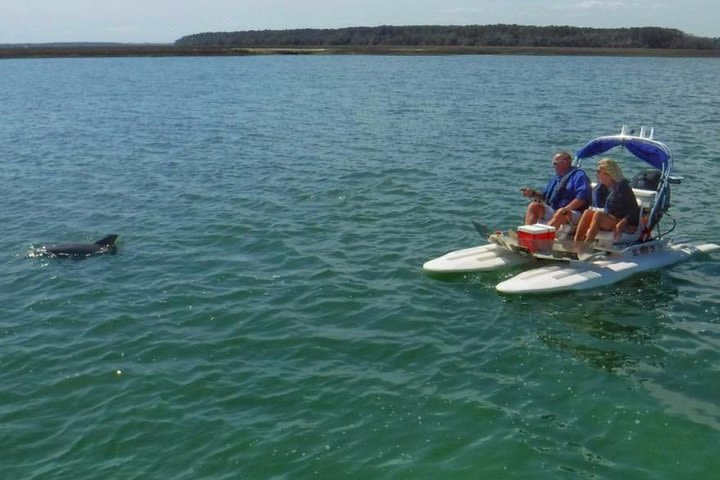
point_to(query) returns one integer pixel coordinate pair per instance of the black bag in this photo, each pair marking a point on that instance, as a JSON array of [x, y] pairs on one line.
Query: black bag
[[650, 180], [647, 179]]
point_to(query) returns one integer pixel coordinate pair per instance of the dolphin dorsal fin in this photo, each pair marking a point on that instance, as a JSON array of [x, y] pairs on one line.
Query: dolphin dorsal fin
[[107, 241]]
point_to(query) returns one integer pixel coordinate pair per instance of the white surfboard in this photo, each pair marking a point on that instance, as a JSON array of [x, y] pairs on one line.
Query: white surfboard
[[598, 273]]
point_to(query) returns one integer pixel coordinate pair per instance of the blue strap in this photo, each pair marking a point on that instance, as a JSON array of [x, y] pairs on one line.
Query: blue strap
[[561, 185]]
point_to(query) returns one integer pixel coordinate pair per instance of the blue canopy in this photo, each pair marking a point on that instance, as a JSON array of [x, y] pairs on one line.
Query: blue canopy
[[654, 153]]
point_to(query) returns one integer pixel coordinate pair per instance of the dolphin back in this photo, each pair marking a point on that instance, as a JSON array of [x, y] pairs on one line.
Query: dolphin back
[[72, 249], [108, 241], [104, 245]]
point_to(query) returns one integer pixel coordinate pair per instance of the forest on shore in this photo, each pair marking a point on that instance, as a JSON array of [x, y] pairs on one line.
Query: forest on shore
[[403, 40], [457, 36]]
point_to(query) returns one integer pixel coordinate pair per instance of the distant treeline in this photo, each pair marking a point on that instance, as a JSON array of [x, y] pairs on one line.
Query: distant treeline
[[460, 36]]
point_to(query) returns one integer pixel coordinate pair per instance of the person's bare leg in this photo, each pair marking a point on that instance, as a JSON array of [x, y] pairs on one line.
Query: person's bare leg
[[535, 211], [601, 221], [583, 225]]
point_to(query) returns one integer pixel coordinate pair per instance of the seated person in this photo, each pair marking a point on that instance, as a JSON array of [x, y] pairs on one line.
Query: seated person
[[617, 212], [566, 196]]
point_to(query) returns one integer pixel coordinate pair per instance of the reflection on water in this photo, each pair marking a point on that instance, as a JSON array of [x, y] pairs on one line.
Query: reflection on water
[[612, 329], [607, 360], [701, 411], [630, 331]]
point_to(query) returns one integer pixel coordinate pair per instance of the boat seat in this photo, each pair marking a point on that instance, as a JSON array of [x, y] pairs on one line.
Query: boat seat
[[645, 200]]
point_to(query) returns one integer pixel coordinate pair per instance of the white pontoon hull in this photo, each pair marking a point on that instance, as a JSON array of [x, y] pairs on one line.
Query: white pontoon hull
[[584, 275], [566, 275], [476, 259]]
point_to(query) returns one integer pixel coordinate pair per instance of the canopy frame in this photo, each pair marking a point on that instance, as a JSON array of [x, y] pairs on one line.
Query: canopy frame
[[643, 147]]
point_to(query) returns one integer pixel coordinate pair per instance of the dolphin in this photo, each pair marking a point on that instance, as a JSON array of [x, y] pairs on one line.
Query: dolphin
[[104, 245]]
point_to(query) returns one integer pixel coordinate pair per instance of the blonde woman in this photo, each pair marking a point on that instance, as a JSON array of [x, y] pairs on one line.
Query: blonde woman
[[619, 212]]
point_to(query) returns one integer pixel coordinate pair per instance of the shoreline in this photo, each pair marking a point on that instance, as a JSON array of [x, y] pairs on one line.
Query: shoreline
[[161, 50]]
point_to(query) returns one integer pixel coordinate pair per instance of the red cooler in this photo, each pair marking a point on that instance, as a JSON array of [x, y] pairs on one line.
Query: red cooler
[[536, 238]]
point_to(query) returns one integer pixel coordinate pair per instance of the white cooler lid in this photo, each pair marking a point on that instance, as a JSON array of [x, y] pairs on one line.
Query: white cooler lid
[[536, 229]]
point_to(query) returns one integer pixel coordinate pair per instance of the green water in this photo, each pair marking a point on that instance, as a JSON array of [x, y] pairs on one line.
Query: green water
[[266, 315]]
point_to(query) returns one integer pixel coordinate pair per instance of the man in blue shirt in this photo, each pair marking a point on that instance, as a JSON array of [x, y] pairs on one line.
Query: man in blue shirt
[[564, 199]]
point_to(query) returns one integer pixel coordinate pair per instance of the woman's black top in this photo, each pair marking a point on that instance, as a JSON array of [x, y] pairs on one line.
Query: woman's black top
[[619, 201]]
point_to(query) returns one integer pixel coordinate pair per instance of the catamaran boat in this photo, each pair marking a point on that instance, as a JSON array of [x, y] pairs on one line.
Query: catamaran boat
[[561, 264]]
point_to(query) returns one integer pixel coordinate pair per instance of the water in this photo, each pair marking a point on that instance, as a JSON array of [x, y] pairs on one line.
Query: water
[[266, 315]]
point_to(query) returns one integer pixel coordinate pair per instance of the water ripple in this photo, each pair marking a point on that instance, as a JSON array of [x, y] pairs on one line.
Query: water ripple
[[267, 312]]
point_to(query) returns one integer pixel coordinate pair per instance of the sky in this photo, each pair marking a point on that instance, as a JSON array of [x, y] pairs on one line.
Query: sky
[[164, 21]]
